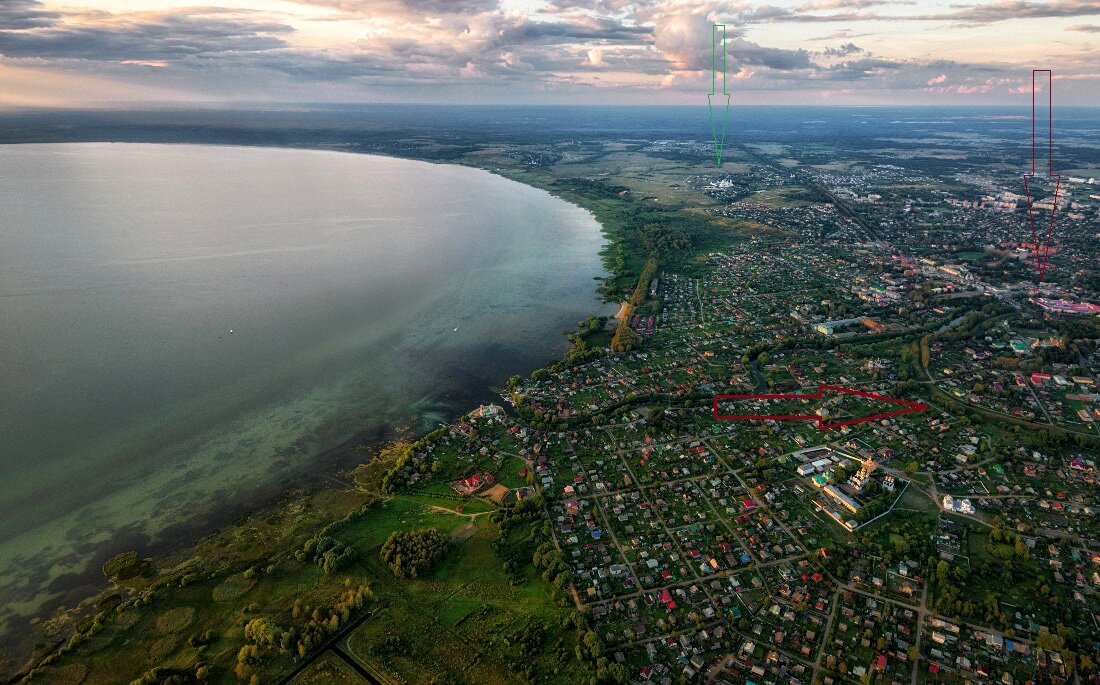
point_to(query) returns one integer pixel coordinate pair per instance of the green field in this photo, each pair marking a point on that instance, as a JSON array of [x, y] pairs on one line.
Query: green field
[[458, 624]]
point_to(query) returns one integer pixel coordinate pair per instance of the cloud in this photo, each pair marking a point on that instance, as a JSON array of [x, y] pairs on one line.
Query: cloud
[[774, 14], [683, 36], [840, 35], [603, 30], [635, 48], [479, 46], [605, 7], [142, 37], [817, 5], [17, 15], [1003, 10], [824, 11], [843, 51], [752, 54], [374, 8], [860, 69], [451, 6]]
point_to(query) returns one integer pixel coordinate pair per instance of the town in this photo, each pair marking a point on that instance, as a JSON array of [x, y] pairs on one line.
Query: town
[[957, 544], [600, 522]]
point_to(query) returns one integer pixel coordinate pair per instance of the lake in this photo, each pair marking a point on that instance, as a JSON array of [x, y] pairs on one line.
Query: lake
[[187, 330]]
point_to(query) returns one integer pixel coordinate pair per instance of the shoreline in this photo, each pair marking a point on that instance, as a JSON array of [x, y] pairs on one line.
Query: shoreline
[[78, 590]]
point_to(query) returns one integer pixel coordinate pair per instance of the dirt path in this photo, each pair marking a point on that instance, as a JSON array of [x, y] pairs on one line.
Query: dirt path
[[459, 513]]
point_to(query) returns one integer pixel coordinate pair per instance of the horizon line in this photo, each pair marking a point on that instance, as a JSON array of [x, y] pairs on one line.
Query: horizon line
[[292, 106]]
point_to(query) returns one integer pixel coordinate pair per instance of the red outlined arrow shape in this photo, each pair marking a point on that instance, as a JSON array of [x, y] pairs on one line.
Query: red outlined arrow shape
[[1042, 249], [822, 389]]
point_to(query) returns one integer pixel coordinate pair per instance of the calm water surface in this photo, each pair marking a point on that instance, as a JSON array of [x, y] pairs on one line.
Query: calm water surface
[[184, 328]]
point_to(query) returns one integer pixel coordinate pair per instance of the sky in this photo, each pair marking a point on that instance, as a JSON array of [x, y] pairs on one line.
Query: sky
[[210, 53]]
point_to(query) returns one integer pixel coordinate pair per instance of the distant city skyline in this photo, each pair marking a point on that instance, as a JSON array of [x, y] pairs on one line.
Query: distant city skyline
[[847, 52]]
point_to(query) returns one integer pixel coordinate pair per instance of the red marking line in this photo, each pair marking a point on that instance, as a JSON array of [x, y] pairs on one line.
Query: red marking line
[[910, 407], [1042, 250]]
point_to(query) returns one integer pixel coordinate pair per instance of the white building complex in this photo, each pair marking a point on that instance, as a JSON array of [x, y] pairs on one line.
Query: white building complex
[[959, 506]]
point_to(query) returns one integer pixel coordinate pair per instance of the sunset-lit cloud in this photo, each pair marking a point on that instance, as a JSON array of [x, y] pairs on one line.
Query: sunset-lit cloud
[[98, 52]]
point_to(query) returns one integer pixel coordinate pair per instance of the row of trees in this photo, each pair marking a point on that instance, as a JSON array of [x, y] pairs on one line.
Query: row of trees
[[625, 337]]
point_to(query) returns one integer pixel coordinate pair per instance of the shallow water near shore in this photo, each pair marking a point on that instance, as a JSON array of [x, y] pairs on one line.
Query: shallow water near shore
[[186, 330]]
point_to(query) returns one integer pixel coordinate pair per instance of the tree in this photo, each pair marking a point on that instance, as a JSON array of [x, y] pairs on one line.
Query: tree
[[328, 553], [592, 641], [259, 632], [1050, 641], [1086, 665]]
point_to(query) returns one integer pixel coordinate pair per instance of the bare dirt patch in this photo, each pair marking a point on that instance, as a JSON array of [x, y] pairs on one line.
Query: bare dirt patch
[[496, 493]]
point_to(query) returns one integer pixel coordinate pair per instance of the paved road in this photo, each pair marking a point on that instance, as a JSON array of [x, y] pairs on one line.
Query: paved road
[[330, 644], [920, 626], [824, 638]]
